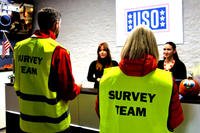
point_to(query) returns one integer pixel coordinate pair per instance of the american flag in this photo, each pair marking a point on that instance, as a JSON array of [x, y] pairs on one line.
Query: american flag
[[5, 46]]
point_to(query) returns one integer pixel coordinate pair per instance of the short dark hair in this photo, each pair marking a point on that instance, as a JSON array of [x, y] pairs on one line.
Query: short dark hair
[[47, 17]]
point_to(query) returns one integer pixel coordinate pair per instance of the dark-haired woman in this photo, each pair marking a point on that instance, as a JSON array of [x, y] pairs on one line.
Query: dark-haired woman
[[104, 60], [172, 63]]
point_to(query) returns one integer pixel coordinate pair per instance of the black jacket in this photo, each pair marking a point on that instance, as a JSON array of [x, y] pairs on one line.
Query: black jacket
[[178, 70]]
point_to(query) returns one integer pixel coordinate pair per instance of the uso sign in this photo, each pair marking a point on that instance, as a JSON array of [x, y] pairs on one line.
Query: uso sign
[[154, 18], [164, 18]]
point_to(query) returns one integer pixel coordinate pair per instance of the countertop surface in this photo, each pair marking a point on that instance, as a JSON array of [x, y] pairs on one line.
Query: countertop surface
[[191, 99], [93, 91]]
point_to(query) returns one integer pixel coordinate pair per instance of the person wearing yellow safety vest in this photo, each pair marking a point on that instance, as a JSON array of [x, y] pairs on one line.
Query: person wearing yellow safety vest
[[137, 97], [44, 82]]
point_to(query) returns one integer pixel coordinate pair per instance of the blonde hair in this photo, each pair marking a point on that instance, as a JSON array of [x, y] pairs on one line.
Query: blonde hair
[[139, 43]]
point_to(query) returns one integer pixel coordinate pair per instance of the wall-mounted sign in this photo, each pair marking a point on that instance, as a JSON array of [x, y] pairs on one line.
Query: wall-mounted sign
[[164, 18]]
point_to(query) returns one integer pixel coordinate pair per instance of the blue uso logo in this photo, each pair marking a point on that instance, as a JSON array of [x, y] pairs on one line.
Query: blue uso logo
[[154, 18]]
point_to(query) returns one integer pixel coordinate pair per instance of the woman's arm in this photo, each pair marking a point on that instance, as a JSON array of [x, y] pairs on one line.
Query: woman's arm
[[91, 72]]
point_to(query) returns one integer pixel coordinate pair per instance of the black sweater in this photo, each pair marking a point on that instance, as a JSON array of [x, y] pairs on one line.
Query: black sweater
[[93, 74], [178, 70]]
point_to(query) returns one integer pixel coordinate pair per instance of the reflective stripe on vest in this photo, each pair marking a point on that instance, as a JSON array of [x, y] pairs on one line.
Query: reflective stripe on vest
[[40, 108], [134, 104]]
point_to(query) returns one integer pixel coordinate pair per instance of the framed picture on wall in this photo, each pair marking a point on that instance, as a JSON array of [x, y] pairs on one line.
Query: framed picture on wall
[[16, 23]]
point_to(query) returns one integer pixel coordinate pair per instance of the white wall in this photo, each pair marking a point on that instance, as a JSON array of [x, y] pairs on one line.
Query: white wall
[[85, 23]]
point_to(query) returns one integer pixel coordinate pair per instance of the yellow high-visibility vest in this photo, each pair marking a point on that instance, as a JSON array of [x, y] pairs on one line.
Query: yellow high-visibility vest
[[40, 108], [130, 104]]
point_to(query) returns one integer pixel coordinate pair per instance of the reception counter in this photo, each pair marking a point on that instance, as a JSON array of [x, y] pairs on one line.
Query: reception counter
[[83, 113], [82, 110]]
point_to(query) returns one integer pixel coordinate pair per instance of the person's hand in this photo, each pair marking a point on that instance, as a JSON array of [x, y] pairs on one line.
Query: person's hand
[[80, 86], [98, 79]]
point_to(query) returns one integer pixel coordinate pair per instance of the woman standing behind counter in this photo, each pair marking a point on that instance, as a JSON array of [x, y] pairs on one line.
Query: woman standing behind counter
[[172, 62], [104, 60]]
